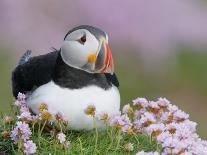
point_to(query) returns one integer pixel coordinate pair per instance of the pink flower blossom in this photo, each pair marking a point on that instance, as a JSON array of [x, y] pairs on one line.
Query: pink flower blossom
[[25, 115], [21, 132], [127, 109], [153, 105], [180, 115], [147, 153], [140, 101], [61, 137], [117, 121], [137, 125], [67, 144], [147, 117], [163, 102], [21, 100], [29, 147], [154, 127]]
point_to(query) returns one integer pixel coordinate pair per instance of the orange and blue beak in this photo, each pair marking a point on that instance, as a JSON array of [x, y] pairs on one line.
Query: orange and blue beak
[[103, 60]]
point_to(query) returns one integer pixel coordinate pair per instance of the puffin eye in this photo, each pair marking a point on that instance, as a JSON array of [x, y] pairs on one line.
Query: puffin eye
[[82, 40]]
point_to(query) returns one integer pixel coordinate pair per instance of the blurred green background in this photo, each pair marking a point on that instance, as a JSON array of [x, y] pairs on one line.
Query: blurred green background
[[148, 62]]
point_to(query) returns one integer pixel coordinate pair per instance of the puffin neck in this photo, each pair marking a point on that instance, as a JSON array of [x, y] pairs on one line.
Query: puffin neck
[[69, 77]]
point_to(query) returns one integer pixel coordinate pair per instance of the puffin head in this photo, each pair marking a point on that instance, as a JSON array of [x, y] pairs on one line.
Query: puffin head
[[86, 48]]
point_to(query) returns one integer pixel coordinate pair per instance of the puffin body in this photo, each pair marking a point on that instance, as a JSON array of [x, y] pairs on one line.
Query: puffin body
[[68, 80]]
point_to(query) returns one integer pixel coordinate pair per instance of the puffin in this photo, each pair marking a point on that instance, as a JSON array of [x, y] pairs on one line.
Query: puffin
[[78, 75]]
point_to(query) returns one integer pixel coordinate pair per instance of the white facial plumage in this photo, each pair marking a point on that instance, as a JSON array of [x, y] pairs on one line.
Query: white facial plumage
[[74, 52]]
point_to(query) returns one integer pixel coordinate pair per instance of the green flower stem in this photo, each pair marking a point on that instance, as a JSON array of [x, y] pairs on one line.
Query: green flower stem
[[42, 128], [111, 138], [96, 130], [118, 139], [33, 124], [61, 129], [81, 146]]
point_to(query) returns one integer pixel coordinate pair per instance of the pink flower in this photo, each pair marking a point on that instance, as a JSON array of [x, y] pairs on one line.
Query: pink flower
[[163, 102], [153, 105], [170, 126], [21, 97], [127, 109], [154, 127], [21, 132], [180, 115], [147, 153], [67, 144], [147, 117], [21, 100], [117, 121], [29, 147], [61, 137], [25, 115], [137, 125], [141, 101]]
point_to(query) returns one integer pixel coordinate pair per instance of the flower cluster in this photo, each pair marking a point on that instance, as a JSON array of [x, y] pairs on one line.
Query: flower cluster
[[22, 133], [30, 147], [162, 120], [62, 139], [169, 125], [165, 122]]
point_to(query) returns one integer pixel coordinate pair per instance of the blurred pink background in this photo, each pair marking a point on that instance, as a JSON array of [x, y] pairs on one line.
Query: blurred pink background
[[154, 27]]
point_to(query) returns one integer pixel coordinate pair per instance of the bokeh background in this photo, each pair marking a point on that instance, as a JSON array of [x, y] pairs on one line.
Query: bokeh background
[[159, 47]]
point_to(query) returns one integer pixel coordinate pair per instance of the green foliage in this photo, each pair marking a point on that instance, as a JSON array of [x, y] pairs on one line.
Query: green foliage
[[82, 142]]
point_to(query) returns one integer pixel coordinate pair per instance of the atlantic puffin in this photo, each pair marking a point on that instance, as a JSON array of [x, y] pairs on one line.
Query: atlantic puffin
[[68, 80]]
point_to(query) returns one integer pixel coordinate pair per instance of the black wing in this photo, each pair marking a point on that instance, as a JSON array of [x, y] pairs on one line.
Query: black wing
[[112, 79], [34, 72]]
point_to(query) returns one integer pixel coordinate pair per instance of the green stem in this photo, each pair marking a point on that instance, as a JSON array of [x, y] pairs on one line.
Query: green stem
[[81, 147], [19, 146], [33, 124], [118, 140], [96, 130], [111, 139], [136, 139], [60, 126], [55, 149], [42, 128]]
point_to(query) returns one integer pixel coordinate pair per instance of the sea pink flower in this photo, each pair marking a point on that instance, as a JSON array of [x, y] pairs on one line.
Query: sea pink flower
[[180, 115], [21, 97], [67, 144], [129, 147], [137, 125], [21, 132], [163, 102], [21, 100], [153, 104], [61, 137], [127, 109], [171, 127], [147, 117], [25, 115], [141, 101], [153, 128], [117, 121], [29, 147], [90, 110], [147, 153]]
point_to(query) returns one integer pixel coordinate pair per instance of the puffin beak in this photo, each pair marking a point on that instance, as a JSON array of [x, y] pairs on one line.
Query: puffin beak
[[104, 60]]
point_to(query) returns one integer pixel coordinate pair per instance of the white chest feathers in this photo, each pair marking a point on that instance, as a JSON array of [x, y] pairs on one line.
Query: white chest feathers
[[73, 102]]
